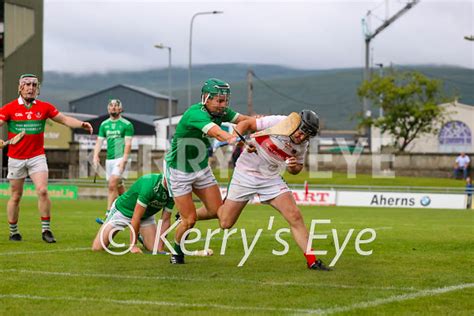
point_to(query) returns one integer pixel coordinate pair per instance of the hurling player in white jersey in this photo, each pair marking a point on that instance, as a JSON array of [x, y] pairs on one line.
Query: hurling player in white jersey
[[258, 172]]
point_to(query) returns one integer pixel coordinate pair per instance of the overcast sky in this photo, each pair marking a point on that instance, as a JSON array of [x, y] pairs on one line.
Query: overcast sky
[[102, 35]]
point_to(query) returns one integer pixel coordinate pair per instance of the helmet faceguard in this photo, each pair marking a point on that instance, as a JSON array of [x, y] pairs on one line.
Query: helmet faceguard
[[309, 123], [215, 88], [309, 127], [117, 103], [26, 80]]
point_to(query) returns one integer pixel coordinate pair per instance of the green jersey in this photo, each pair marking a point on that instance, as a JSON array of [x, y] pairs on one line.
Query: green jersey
[[190, 142], [115, 131], [149, 192]]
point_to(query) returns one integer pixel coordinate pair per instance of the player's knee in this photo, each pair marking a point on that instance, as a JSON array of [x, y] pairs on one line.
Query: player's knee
[[42, 192], [112, 187], [96, 246], [294, 215], [225, 223], [16, 197], [189, 221]]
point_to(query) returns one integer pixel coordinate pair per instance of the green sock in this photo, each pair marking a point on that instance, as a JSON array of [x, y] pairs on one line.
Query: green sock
[[177, 248]]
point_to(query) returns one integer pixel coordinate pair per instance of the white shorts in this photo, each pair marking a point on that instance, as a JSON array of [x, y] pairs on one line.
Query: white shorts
[[243, 187], [118, 220], [112, 168], [181, 183], [20, 168]]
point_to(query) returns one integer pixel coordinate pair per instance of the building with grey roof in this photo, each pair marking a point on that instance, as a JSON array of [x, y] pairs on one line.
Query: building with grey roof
[[134, 99]]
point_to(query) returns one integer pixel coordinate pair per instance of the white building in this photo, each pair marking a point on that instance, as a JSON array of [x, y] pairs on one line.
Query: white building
[[453, 137]]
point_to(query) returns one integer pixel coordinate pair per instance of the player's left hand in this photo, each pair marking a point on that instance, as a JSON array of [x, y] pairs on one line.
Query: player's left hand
[[2, 144], [87, 126], [251, 148], [135, 249], [291, 162]]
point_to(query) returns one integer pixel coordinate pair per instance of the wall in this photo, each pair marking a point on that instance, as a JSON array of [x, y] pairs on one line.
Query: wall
[[408, 164]]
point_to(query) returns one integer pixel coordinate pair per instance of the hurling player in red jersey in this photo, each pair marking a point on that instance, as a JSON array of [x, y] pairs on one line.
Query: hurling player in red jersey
[[258, 172], [27, 157]]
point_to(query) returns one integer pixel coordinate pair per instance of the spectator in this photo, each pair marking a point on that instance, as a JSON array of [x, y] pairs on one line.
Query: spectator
[[461, 165]]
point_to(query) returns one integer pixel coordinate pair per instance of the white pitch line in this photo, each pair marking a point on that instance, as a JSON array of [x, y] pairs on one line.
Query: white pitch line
[[101, 301], [362, 305], [170, 278], [43, 251], [395, 298]]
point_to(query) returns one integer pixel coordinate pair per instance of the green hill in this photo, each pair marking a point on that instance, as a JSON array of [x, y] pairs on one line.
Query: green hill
[[332, 93]]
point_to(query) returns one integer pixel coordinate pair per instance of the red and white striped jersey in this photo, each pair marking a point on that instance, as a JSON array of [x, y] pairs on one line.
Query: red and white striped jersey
[[272, 151]]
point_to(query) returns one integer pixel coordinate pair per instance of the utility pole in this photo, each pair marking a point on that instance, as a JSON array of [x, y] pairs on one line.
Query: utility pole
[[381, 96], [250, 92]]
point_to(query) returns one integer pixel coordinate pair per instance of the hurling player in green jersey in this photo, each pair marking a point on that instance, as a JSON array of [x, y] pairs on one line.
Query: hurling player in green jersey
[[137, 207], [118, 131], [187, 168]]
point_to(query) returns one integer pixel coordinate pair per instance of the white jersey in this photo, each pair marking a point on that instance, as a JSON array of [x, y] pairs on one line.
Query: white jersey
[[272, 152]]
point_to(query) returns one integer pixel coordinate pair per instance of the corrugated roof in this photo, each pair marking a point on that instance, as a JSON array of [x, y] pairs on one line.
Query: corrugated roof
[[148, 92], [80, 116], [134, 88], [148, 119]]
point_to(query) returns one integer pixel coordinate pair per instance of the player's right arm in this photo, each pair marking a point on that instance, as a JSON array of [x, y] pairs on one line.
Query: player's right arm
[[136, 218], [221, 135], [201, 121], [98, 146], [3, 118]]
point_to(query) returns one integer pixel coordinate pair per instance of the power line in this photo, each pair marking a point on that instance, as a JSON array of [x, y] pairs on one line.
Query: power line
[[286, 96], [278, 92]]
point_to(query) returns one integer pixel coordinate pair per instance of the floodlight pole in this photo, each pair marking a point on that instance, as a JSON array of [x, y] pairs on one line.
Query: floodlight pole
[[191, 46]]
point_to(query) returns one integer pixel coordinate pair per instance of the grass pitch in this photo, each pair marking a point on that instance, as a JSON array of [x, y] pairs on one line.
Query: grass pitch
[[422, 262]]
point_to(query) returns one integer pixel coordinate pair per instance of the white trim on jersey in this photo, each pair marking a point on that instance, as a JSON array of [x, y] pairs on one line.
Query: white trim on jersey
[[206, 128]]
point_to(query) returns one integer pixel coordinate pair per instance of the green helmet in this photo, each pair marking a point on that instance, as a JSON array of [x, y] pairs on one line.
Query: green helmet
[[215, 87]]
